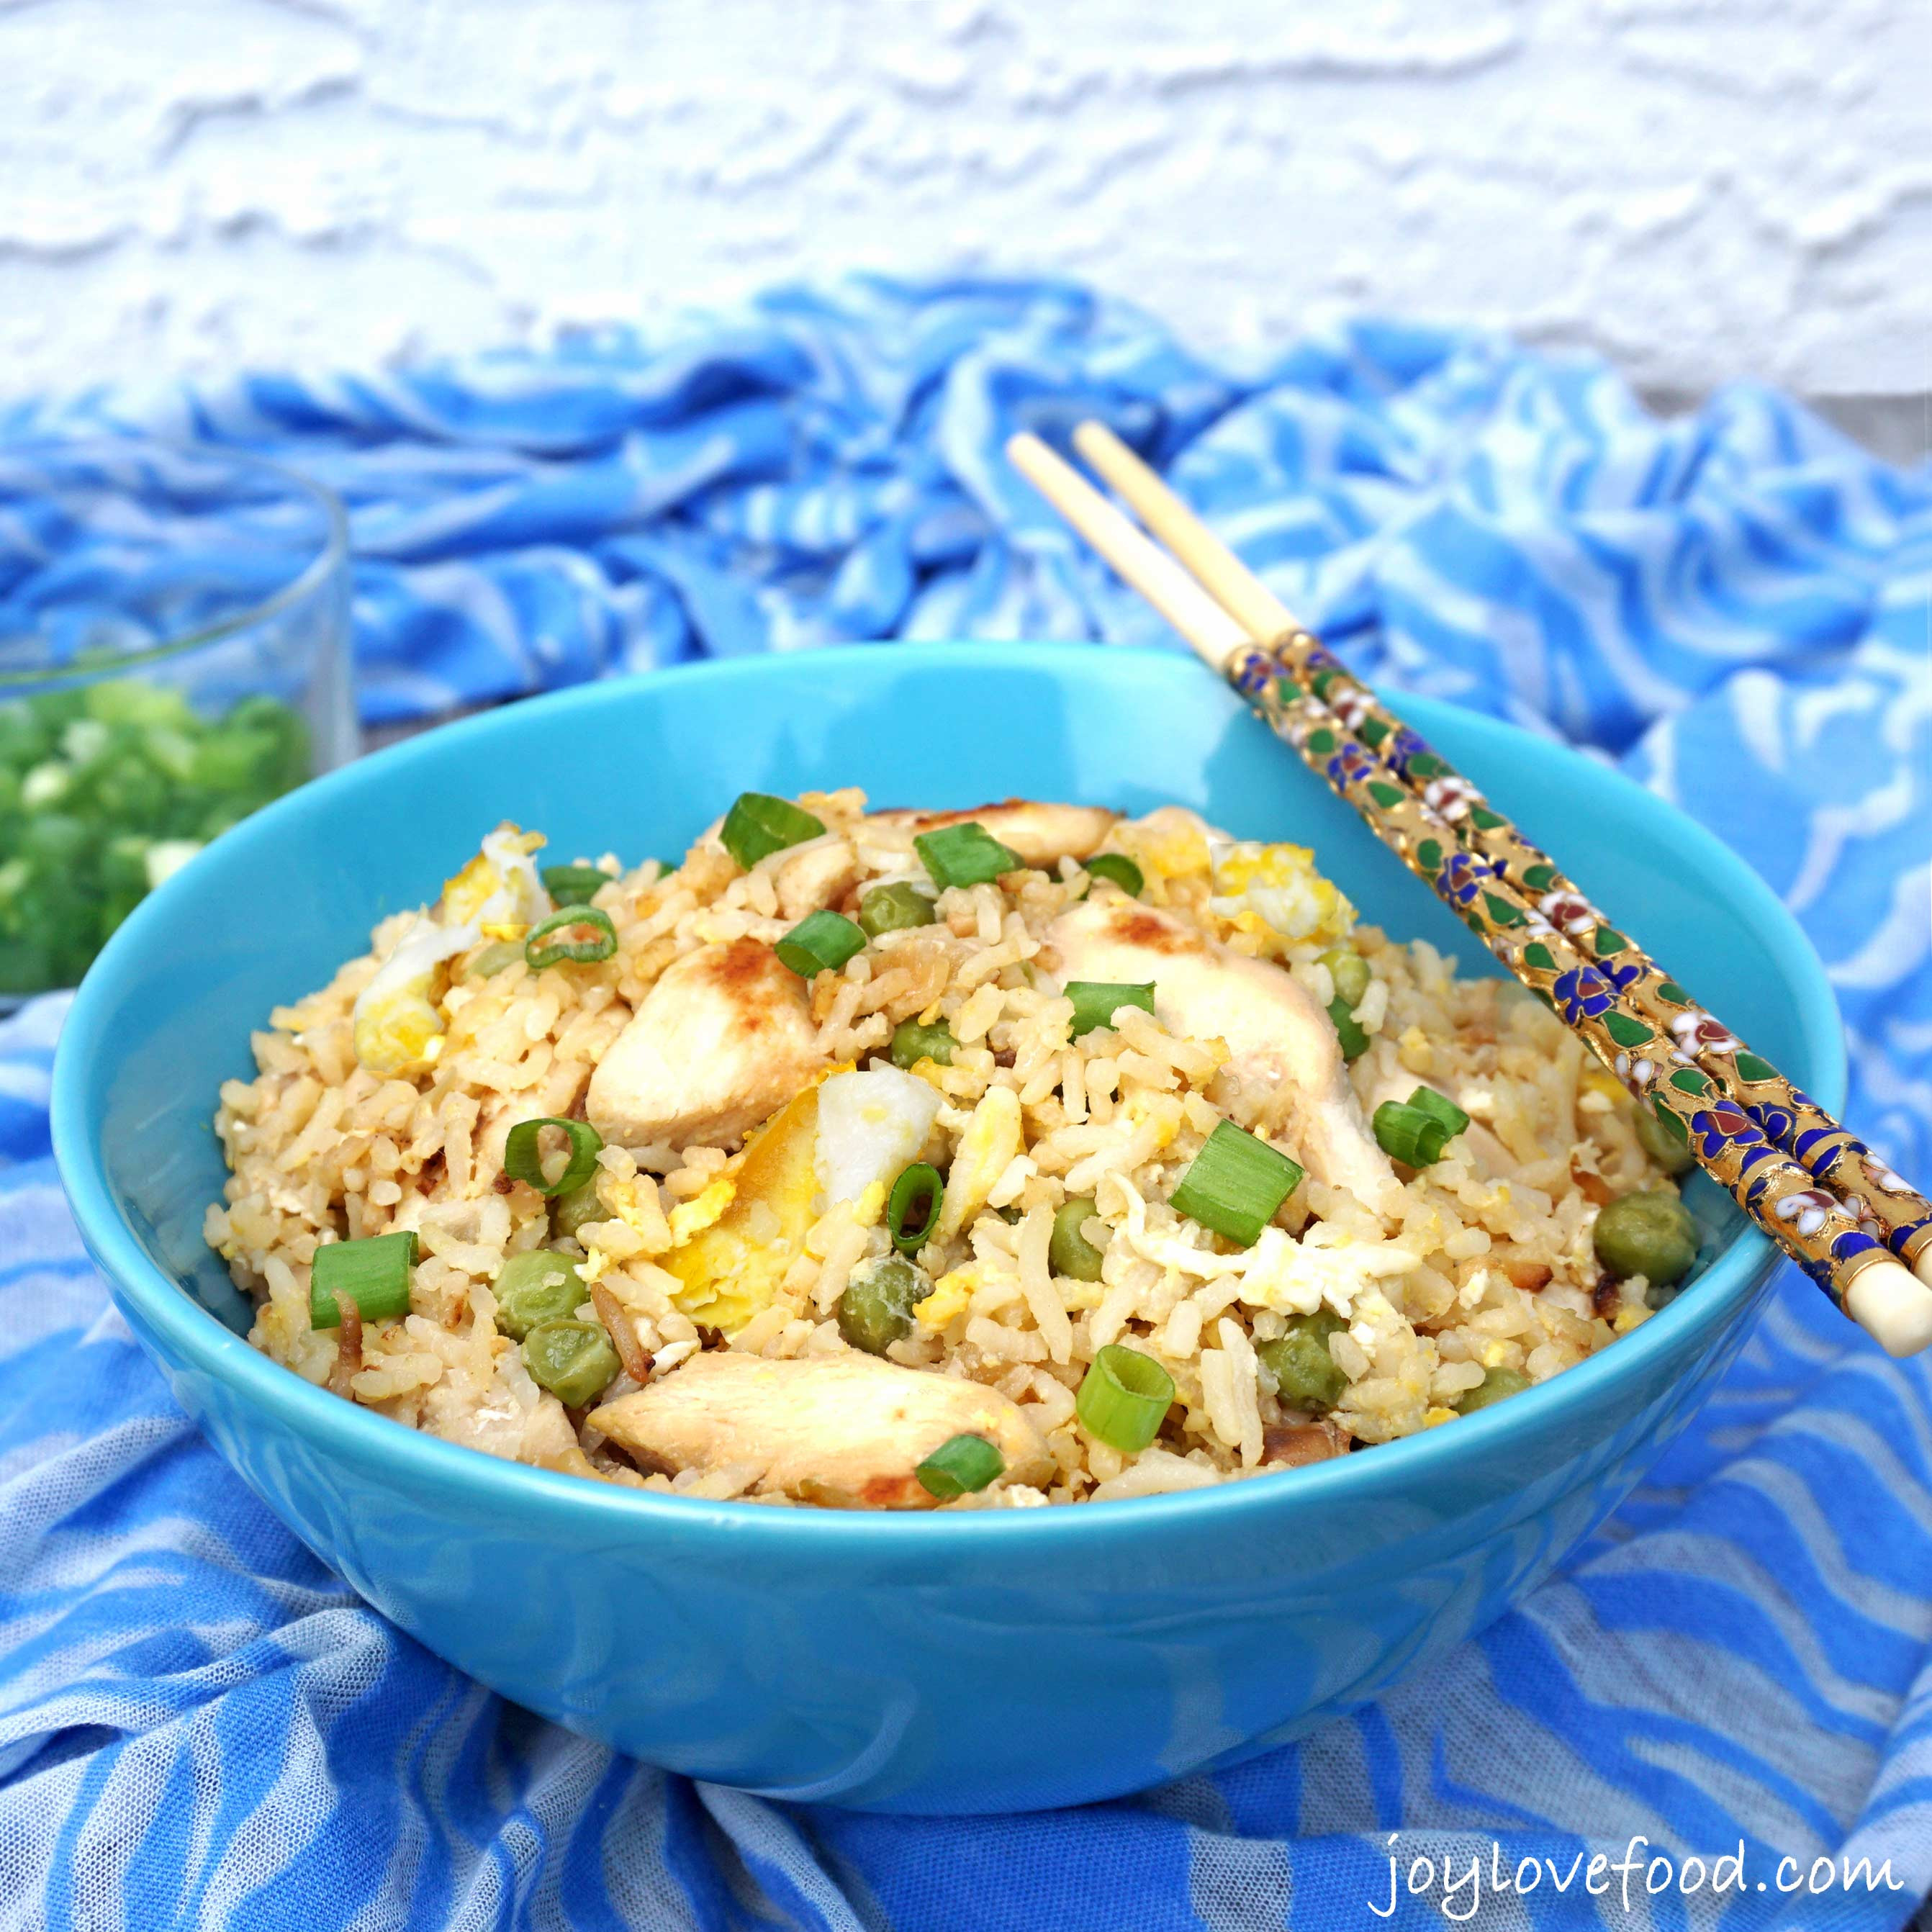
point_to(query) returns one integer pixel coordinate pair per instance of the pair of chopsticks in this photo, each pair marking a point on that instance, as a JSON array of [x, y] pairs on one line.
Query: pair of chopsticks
[[1858, 1230]]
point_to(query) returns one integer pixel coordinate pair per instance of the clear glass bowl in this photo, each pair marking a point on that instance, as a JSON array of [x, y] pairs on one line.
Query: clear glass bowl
[[174, 652]]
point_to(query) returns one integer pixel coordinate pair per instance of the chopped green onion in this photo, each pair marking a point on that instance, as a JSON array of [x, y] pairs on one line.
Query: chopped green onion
[[1096, 1000], [574, 885], [574, 1360], [494, 958], [1123, 1398], [918, 1187], [820, 943], [758, 825], [894, 908], [1235, 1184], [578, 952], [374, 1272], [1350, 972], [1439, 1107], [536, 1287], [523, 1157], [1348, 1029], [1408, 1134], [955, 1468], [1068, 1251], [912, 1043], [965, 855], [1119, 868]]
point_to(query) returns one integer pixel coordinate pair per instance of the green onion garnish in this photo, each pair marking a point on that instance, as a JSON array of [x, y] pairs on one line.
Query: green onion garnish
[[1439, 1107], [965, 855], [820, 943], [573, 885], [374, 1272], [758, 825], [1123, 1398], [523, 1156], [894, 908], [1118, 867], [1348, 1029], [919, 1187], [1408, 1134], [601, 942], [966, 1463], [1235, 1184], [1095, 1001], [912, 1043], [494, 958]]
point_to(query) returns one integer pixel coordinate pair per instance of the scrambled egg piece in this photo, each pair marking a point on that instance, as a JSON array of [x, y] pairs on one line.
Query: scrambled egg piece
[[398, 1027], [950, 1294], [1273, 893], [729, 1263], [1168, 844], [993, 1136]]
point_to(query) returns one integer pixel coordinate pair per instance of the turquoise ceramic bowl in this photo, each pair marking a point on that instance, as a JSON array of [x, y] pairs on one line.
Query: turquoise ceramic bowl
[[992, 1662]]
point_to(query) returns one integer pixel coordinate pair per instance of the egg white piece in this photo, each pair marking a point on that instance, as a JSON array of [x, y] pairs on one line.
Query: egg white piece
[[871, 1126]]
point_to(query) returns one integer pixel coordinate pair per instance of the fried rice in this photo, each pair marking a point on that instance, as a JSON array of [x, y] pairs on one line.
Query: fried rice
[[383, 1102]]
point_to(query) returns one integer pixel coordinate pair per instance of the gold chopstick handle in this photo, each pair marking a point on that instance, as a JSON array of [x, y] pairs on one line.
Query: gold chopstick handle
[[1668, 1042], [1813, 1227]]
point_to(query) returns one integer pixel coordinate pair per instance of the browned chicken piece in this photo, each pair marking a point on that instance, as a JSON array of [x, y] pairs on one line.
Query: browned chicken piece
[[845, 1430], [1277, 1037], [1039, 833], [722, 1042], [816, 874]]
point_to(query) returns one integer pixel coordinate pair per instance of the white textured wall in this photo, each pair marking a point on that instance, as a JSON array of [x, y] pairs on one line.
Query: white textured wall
[[1738, 186]]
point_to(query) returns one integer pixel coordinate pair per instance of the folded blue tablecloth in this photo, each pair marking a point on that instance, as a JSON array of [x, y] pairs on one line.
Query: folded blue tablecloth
[[199, 1725]]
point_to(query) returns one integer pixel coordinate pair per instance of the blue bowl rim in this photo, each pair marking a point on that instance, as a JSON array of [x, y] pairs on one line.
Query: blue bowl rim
[[427, 1464]]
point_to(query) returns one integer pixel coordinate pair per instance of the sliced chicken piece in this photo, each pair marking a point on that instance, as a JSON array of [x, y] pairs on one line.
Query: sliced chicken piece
[[844, 1430], [816, 874], [722, 1040], [1039, 833], [1277, 1037]]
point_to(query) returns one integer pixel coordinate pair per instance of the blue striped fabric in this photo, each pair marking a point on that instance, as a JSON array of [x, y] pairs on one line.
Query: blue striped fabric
[[200, 1727]]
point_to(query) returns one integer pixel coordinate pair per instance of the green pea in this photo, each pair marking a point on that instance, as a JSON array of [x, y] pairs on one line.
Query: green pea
[[893, 909], [1663, 1146], [1496, 1386], [876, 1308], [1069, 1252], [912, 1043], [1651, 1234], [535, 1288], [569, 1212], [1305, 1374], [575, 1361], [1350, 972]]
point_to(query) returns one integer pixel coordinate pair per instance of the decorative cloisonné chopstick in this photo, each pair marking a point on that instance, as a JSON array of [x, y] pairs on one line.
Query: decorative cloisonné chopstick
[[1666, 1036], [1818, 1232]]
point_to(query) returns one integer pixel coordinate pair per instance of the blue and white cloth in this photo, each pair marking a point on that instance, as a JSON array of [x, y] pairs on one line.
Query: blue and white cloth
[[199, 1726]]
